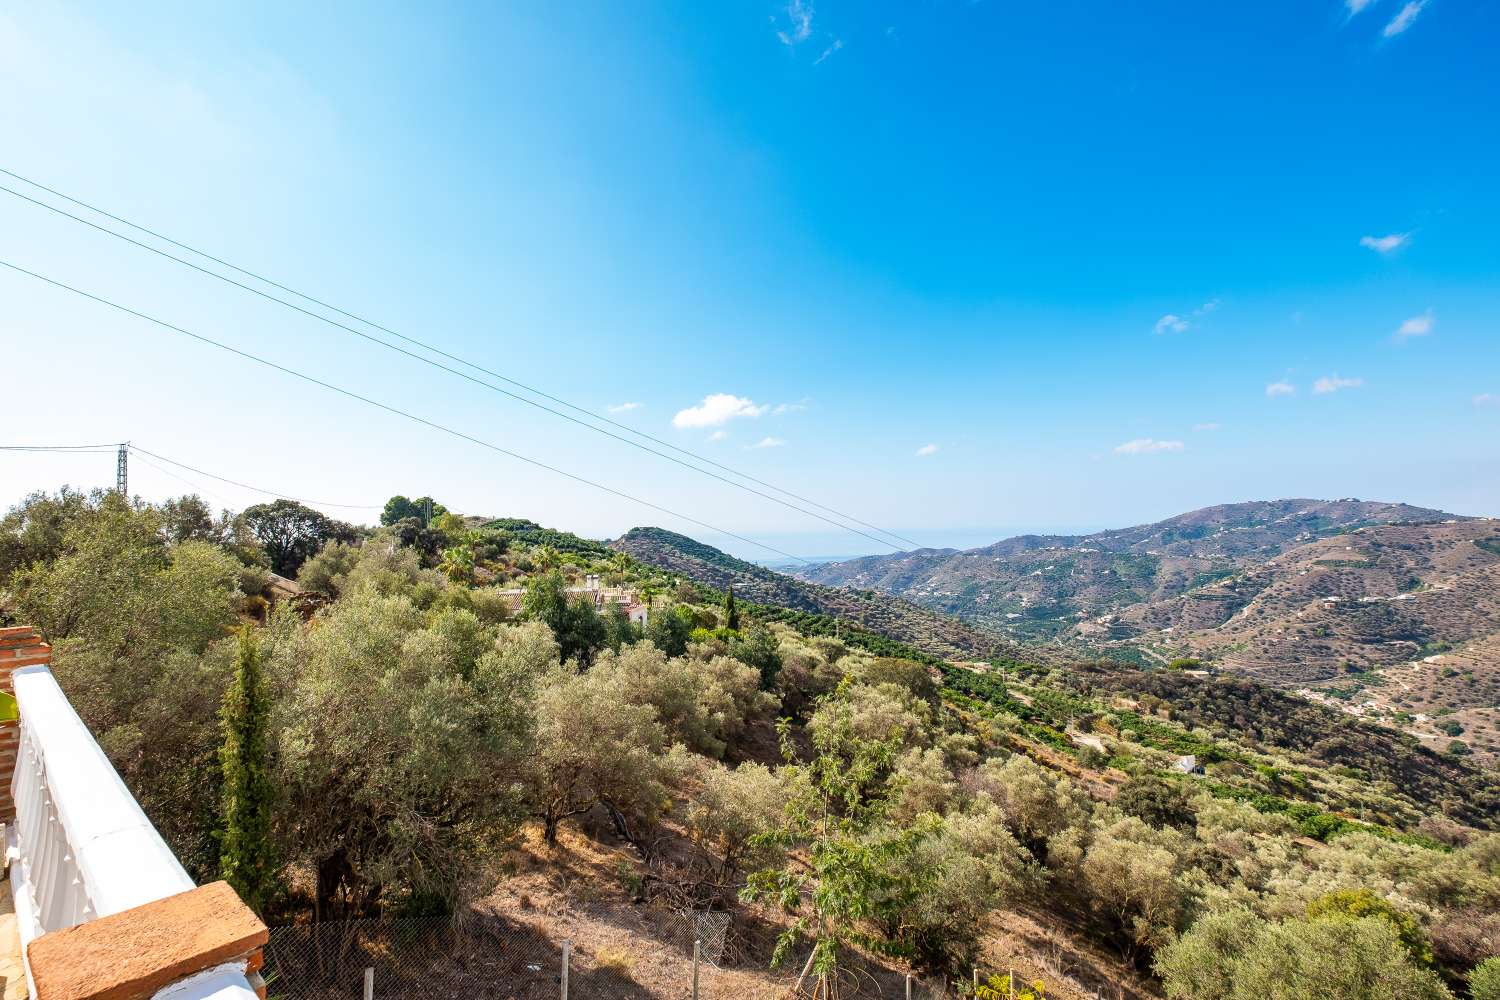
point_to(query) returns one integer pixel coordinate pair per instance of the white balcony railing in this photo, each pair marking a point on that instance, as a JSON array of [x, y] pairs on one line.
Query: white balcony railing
[[81, 847]]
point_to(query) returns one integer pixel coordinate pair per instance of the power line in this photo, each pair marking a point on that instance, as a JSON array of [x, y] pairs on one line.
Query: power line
[[451, 357], [453, 371], [246, 486], [180, 479], [395, 410], [442, 367], [79, 449], [88, 449]]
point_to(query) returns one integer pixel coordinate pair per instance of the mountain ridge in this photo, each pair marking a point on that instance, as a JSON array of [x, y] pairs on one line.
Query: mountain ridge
[[1034, 587], [882, 614], [1387, 612]]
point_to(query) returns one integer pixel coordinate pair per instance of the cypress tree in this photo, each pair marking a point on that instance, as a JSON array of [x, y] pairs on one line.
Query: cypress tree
[[248, 855], [731, 613]]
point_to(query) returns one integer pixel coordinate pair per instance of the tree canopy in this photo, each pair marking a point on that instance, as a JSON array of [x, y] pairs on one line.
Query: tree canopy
[[399, 508], [580, 631], [291, 533], [1238, 956]]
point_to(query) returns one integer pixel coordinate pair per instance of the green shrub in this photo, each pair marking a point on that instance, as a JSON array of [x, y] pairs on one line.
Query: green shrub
[[999, 988], [1156, 800], [1484, 981], [1356, 904]]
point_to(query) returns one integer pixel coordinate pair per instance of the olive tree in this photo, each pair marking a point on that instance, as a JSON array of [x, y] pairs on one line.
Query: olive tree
[[327, 571], [1238, 956], [1037, 803], [134, 621], [401, 748], [729, 812], [1200, 964], [598, 745], [921, 783], [32, 531], [701, 703], [1132, 876]]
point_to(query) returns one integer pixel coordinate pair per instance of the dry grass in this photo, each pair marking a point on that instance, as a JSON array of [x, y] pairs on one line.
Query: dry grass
[[1035, 947], [619, 960], [577, 890]]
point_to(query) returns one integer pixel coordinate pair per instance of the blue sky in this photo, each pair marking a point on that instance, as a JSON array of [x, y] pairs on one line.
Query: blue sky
[[963, 269]]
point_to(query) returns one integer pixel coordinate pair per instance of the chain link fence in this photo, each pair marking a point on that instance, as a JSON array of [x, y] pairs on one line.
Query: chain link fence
[[426, 957], [618, 953]]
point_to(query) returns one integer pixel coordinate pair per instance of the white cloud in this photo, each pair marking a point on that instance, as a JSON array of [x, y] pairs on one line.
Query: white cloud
[[837, 44], [1417, 326], [718, 435], [1147, 446], [1404, 19], [768, 442], [717, 408], [799, 16], [927, 449], [1487, 399], [1173, 323], [782, 408], [1355, 6], [1385, 244], [1206, 427], [624, 407], [1332, 383], [1280, 389]]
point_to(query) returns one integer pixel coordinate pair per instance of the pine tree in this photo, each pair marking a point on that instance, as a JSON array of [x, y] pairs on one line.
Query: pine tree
[[248, 853], [731, 613]]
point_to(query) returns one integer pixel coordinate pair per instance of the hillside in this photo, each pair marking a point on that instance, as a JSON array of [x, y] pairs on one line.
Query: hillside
[[1399, 623], [1374, 597], [1076, 822], [1250, 717], [881, 614], [1040, 586]]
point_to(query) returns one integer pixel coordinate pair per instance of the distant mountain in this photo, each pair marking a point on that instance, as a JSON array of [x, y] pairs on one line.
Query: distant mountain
[[1038, 587], [879, 613], [1373, 597], [1396, 623]]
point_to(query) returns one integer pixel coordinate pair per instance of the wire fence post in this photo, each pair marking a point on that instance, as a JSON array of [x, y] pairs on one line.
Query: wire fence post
[[697, 947], [567, 956], [369, 983], [908, 986], [976, 980], [1011, 978]]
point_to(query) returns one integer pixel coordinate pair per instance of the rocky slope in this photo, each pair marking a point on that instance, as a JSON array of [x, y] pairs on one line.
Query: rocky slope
[[1375, 597], [1397, 623]]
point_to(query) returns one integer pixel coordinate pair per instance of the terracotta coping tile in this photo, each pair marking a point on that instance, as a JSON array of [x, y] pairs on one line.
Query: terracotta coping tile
[[134, 953]]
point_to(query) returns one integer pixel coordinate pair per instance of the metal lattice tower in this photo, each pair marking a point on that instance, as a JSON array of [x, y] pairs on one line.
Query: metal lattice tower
[[122, 471]]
